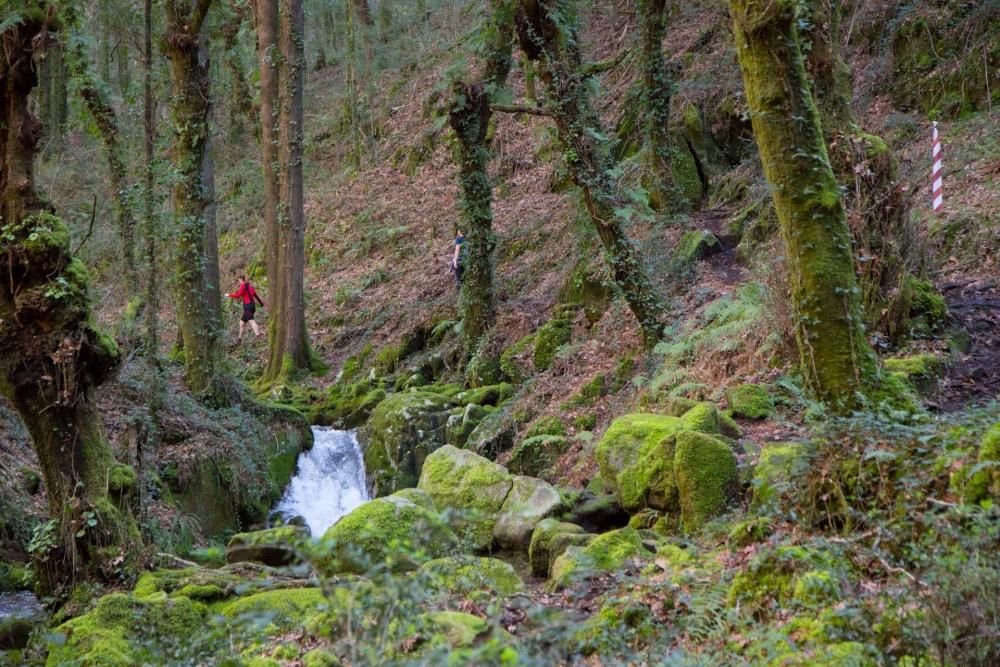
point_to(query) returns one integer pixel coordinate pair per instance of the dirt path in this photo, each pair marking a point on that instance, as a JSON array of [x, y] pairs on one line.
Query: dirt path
[[974, 306]]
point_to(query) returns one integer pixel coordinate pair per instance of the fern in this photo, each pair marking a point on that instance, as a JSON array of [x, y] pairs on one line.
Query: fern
[[11, 21]]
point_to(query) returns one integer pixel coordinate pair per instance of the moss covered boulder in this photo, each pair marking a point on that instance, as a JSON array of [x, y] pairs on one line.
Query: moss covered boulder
[[470, 488], [533, 456], [400, 434], [549, 540], [705, 468], [922, 371], [779, 465], [548, 339], [752, 401], [274, 546], [984, 482], [696, 244], [807, 575], [284, 609], [393, 531], [530, 500], [472, 576], [604, 553], [636, 458]]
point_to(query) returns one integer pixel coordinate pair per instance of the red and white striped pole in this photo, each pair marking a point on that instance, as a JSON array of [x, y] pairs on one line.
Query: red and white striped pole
[[936, 171]]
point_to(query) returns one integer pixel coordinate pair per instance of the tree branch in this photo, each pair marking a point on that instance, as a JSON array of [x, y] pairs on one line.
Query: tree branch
[[590, 69], [520, 108]]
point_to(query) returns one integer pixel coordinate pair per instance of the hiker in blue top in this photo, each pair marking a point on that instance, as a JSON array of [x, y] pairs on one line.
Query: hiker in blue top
[[458, 259]]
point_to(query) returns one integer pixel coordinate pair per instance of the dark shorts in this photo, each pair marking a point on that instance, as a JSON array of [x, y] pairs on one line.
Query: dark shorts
[[459, 270], [248, 310]]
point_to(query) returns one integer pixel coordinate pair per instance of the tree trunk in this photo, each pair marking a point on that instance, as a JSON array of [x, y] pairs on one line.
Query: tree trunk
[[886, 248], [100, 109], [190, 106], [363, 12], [546, 39], [53, 357], [242, 104], [665, 193], [470, 119], [837, 361], [290, 353], [266, 16]]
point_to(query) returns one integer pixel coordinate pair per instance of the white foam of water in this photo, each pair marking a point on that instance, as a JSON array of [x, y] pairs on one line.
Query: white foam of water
[[329, 481]]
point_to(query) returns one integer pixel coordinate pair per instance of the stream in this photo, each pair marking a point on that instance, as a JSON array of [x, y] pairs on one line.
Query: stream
[[329, 481]]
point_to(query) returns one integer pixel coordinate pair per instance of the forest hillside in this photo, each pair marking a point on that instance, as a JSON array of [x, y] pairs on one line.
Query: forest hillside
[[594, 333]]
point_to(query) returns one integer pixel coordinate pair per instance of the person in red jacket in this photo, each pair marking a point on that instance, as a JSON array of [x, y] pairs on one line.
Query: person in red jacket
[[248, 296]]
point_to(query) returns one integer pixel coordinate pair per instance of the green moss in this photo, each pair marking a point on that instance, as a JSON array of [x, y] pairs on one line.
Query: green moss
[[285, 608], [706, 477], [548, 339], [605, 553], [319, 657], [47, 233], [490, 395], [550, 539], [636, 457], [287, 535], [476, 487], [535, 455], [703, 417], [928, 310], [390, 531], [920, 370], [779, 465], [752, 401], [984, 482], [550, 425], [585, 287], [121, 478], [694, 245], [511, 363], [895, 393], [202, 592], [789, 574], [14, 577], [472, 577], [456, 629]]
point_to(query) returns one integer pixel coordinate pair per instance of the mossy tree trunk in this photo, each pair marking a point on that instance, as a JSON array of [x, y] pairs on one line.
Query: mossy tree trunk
[[190, 106], [242, 104], [886, 246], [53, 102], [836, 358], [266, 19], [290, 353], [657, 87], [95, 98], [470, 117], [53, 356], [547, 34]]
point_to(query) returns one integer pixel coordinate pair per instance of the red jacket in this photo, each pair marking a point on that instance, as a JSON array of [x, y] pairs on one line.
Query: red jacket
[[246, 293]]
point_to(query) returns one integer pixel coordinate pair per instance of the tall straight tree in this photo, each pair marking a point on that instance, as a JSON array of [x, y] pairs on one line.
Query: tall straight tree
[[547, 34], [266, 18], [836, 358], [290, 352], [53, 357], [470, 119], [196, 295]]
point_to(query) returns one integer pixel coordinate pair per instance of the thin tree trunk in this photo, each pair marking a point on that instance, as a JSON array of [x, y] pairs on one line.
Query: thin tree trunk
[[665, 193], [363, 12], [546, 39], [470, 119], [290, 353], [242, 103], [106, 120], [53, 356], [836, 358], [190, 107]]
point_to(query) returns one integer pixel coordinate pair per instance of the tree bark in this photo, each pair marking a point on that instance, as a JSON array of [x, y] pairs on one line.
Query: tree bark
[[53, 356], [363, 12], [243, 105], [545, 39], [470, 119], [886, 249], [657, 86], [190, 107], [99, 106], [836, 358], [290, 353], [266, 16]]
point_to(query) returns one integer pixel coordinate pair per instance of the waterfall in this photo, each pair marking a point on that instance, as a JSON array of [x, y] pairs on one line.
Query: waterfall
[[329, 481]]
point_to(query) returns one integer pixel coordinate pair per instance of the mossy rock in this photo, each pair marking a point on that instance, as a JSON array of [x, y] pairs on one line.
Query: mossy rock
[[473, 577], [604, 553], [14, 577], [549, 540], [515, 362], [462, 423], [495, 433], [928, 310], [922, 371], [636, 458], [705, 468], [984, 482], [779, 465], [586, 287], [490, 395], [284, 609], [695, 245], [275, 546], [471, 488], [530, 500], [806, 575], [402, 431], [533, 456], [392, 531], [548, 339], [752, 401], [550, 425], [320, 657], [120, 629]]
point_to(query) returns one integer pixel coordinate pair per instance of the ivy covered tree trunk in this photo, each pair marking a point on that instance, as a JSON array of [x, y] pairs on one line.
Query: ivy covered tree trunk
[[470, 119], [547, 34], [836, 358], [665, 193], [190, 106], [95, 98], [290, 353], [886, 245], [53, 356]]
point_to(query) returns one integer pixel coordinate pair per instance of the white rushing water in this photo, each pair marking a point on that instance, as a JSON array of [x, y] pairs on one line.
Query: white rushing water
[[329, 481]]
